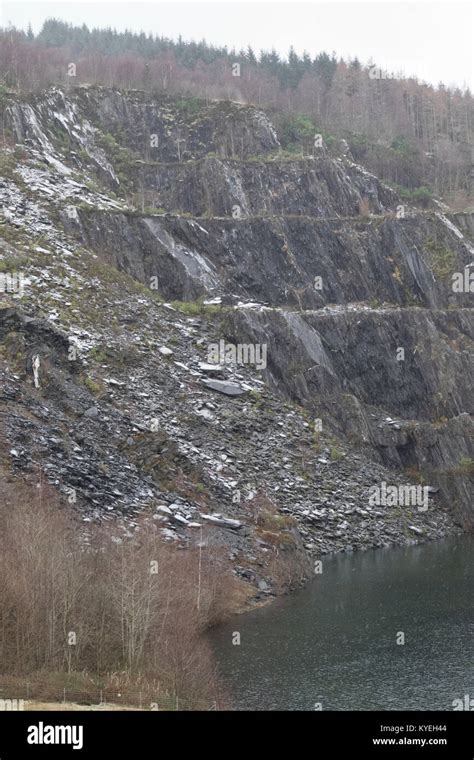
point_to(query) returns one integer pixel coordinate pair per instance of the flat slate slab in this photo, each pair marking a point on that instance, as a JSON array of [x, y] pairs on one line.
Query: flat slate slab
[[223, 386]]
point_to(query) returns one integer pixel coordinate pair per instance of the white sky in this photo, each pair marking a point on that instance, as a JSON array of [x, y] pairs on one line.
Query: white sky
[[430, 40]]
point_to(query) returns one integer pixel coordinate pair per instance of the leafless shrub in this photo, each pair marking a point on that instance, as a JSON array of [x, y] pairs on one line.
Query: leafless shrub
[[131, 606]]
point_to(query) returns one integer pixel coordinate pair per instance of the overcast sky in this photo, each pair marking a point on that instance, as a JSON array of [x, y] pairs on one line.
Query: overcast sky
[[433, 41]]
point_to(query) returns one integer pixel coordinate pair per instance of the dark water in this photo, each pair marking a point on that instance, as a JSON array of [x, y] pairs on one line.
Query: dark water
[[334, 642]]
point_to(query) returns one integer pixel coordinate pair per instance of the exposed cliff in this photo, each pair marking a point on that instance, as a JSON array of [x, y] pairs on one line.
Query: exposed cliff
[[112, 206]]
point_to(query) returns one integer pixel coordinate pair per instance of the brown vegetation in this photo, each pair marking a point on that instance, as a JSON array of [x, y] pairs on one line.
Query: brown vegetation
[[129, 610], [287, 563]]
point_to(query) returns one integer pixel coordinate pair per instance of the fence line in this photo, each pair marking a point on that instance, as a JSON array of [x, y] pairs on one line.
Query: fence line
[[146, 699]]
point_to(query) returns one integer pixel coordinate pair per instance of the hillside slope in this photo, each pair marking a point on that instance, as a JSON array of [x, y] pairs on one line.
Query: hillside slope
[[147, 231]]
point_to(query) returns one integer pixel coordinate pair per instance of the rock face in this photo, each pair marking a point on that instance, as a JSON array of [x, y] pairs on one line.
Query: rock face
[[291, 261], [315, 186], [415, 411], [113, 205]]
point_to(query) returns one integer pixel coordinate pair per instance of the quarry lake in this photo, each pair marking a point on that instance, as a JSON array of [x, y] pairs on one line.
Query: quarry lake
[[335, 641]]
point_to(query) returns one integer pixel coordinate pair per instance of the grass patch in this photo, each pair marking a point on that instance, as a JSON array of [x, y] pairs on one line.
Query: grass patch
[[336, 453], [442, 260], [196, 308], [417, 195], [121, 158], [13, 263], [8, 164], [465, 466], [94, 387]]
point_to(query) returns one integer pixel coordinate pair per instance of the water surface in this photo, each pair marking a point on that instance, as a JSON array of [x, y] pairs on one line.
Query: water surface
[[335, 642]]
